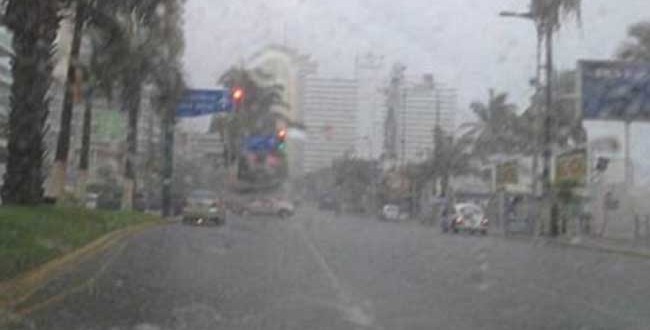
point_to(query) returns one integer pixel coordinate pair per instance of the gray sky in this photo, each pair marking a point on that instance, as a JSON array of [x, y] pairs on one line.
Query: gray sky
[[463, 42]]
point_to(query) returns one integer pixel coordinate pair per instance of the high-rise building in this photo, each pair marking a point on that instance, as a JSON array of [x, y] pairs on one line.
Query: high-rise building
[[424, 104], [371, 105], [330, 113]]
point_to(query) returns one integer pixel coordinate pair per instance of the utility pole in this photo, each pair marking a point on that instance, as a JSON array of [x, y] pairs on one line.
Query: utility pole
[[168, 159], [547, 198], [404, 110]]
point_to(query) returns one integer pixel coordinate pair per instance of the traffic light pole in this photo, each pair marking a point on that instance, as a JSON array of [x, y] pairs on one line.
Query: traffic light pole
[[547, 198], [168, 161]]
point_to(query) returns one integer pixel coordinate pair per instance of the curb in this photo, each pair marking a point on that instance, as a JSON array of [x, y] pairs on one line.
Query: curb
[[583, 246], [15, 291], [606, 249]]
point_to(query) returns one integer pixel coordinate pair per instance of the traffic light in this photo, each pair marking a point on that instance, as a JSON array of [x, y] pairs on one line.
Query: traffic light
[[282, 137], [238, 95]]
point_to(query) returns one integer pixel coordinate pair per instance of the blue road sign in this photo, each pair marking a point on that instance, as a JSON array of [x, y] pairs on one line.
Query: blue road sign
[[260, 143], [200, 102], [615, 90]]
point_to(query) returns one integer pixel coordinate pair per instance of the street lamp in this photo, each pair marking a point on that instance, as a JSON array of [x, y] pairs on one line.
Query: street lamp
[[543, 31]]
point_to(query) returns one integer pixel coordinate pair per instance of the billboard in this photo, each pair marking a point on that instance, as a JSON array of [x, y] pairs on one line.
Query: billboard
[[614, 90], [507, 174], [571, 166]]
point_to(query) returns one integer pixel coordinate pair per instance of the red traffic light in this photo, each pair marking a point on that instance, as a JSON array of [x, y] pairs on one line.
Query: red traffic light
[[238, 94], [282, 134]]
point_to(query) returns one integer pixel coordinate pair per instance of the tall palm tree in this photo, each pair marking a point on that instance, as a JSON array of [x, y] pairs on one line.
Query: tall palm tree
[[493, 131], [134, 58], [169, 83], [34, 24], [58, 173], [637, 48]]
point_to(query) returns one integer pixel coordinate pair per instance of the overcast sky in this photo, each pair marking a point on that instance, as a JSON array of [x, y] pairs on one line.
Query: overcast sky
[[463, 42]]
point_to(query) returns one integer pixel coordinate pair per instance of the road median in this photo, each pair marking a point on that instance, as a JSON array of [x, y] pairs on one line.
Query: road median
[[38, 243]]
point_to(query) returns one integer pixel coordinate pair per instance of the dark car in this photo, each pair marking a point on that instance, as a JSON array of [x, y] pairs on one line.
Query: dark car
[[329, 202]]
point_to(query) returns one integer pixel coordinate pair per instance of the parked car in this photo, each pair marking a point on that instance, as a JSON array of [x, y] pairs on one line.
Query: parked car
[[390, 212], [465, 217], [271, 206], [203, 207], [329, 202]]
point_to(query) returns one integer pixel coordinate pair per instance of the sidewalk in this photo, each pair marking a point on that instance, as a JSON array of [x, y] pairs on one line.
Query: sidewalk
[[638, 248]]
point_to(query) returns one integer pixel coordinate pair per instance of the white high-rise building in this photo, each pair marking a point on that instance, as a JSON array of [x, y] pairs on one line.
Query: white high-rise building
[[424, 104], [330, 115], [371, 78]]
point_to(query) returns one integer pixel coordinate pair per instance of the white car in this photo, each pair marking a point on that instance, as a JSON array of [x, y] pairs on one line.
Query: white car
[[467, 217], [271, 206], [390, 212]]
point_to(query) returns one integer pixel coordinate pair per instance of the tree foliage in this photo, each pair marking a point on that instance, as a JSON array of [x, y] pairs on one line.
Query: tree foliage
[[493, 130], [637, 47], [550, 13]]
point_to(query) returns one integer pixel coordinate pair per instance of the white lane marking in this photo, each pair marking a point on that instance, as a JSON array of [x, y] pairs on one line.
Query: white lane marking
[[353, 312]]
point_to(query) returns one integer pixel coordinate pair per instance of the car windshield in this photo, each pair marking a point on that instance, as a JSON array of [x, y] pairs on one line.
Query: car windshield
[[324, 164], [470, 211]]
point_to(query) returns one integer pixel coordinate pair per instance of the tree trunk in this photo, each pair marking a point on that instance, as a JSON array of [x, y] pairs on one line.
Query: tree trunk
[[34, 25], [84, 160], [58, 175], [168, 161], [132, 95], [444, 185]]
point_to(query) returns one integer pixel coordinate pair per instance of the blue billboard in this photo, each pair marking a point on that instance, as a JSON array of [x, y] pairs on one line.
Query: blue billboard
[[200, 102], [615, 90]]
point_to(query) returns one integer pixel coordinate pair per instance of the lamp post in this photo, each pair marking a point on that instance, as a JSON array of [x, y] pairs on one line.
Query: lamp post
[[544, 33]]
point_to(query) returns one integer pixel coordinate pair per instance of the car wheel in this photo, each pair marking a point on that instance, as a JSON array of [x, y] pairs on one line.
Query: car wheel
[[484, 232], [284, 214]]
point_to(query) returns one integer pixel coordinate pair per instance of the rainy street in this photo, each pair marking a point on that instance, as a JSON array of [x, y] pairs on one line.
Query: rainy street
[[319, 271]]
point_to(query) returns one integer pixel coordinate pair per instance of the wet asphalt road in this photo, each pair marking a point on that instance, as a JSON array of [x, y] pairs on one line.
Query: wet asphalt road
[[319, 271]]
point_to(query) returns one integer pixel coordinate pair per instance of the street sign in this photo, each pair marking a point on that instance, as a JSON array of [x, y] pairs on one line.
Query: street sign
[[571, 166], [615, 90], [200, 102]]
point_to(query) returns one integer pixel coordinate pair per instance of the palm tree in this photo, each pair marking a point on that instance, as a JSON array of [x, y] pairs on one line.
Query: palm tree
[[637, 48], [550, 13], [452, 157], [493, 132], [254, 114], [169, 83], [34, 25], [99, 78], [134, 58]]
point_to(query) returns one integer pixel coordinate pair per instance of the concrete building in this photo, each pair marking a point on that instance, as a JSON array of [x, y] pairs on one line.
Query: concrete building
[[424, 104], [370, 74], [330, 112]]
